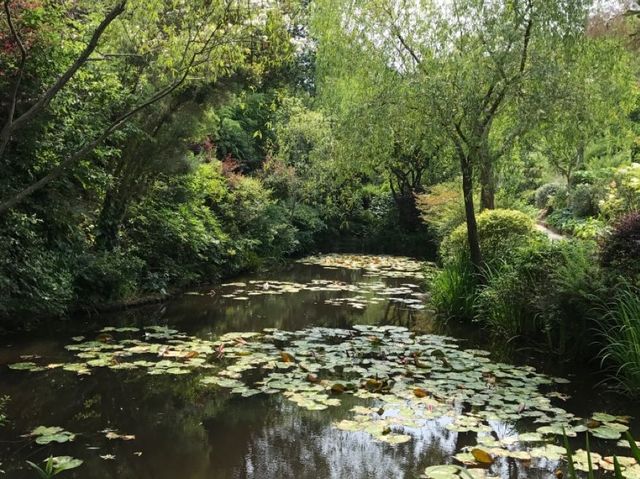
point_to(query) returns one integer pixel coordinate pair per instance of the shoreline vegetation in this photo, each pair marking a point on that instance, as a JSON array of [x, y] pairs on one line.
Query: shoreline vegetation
[[228, 137]]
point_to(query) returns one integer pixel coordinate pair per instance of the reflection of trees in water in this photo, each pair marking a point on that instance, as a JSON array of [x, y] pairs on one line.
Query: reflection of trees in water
[[186, 431], [303, 445], [164, 413]]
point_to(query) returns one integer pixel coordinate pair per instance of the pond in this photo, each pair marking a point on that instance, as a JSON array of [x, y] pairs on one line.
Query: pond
[[331, 367]]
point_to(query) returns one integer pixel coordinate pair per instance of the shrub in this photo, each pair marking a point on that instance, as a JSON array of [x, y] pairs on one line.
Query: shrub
[[500, 232], [623, 195], [545, 293], [621, 337], [523, 201], [499, 303], [545, 194], [175, 231], [564, 221], [575, 288], [34, 277], [508, 303], [309, 225], [583, 201], [107, 276], [258, 226], [583, 177], [620, 249]]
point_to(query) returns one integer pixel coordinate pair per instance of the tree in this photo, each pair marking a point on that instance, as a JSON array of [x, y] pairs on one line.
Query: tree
[[590, 107], [467, 63], [173, 44]]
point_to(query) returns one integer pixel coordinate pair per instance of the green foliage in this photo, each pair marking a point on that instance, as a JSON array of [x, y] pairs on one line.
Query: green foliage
[[564, 220], [583, 200], [568, 300], [620, 332], [175, 232], [55, 465], [540, 292], [453, 290], [546, 193], [107, 276], [623, 195], [500, 232], [35, 276], [543, 292]]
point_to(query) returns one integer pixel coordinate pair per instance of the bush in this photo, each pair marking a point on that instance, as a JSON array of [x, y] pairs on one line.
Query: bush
[[107, 276], [309, 225], [545, 294], [583, 200], [575, 288], [176, 233], [500, 232], [564, 221], [583, 177], [623, 195], [258, 226], [620, 334], [546, 193], [620, 249], [34, 277], [508, 302]]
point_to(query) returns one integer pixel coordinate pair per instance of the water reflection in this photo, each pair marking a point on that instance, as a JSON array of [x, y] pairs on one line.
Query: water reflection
[[184, 430]]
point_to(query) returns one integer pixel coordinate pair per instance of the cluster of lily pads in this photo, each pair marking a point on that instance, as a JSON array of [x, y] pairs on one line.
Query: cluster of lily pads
[[54, 465], [407, 294], [406, 382], [410, 381], [379, 266], [159, 350]]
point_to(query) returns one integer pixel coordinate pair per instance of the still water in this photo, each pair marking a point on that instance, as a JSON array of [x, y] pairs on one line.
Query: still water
[[177, 428]]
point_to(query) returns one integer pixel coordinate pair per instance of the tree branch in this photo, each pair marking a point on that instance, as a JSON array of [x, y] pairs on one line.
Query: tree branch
[[12, 125], [88, 148], [115, 125], [16, 87]]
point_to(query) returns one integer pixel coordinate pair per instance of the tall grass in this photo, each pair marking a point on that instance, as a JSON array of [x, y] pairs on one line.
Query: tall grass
[[453, 290], [621, 337], [501, 303], [617, 470]]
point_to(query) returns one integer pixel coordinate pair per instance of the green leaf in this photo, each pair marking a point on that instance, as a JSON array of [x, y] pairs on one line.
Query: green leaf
[[635, 450], [571, 467]]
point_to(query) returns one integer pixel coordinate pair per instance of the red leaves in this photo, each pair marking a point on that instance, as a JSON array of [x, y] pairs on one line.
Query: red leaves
[[28, 34]]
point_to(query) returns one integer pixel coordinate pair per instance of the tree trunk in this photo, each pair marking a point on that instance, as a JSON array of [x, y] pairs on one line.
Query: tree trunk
[[487, 183], [110, 219], [472, 225], [405, 200]]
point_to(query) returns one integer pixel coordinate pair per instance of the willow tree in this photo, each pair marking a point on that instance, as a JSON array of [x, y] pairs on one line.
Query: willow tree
[[378, 130], [468, 63], [589, 115]]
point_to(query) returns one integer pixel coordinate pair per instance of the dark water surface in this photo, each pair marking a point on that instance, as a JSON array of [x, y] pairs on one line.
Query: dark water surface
[[188, 431]]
